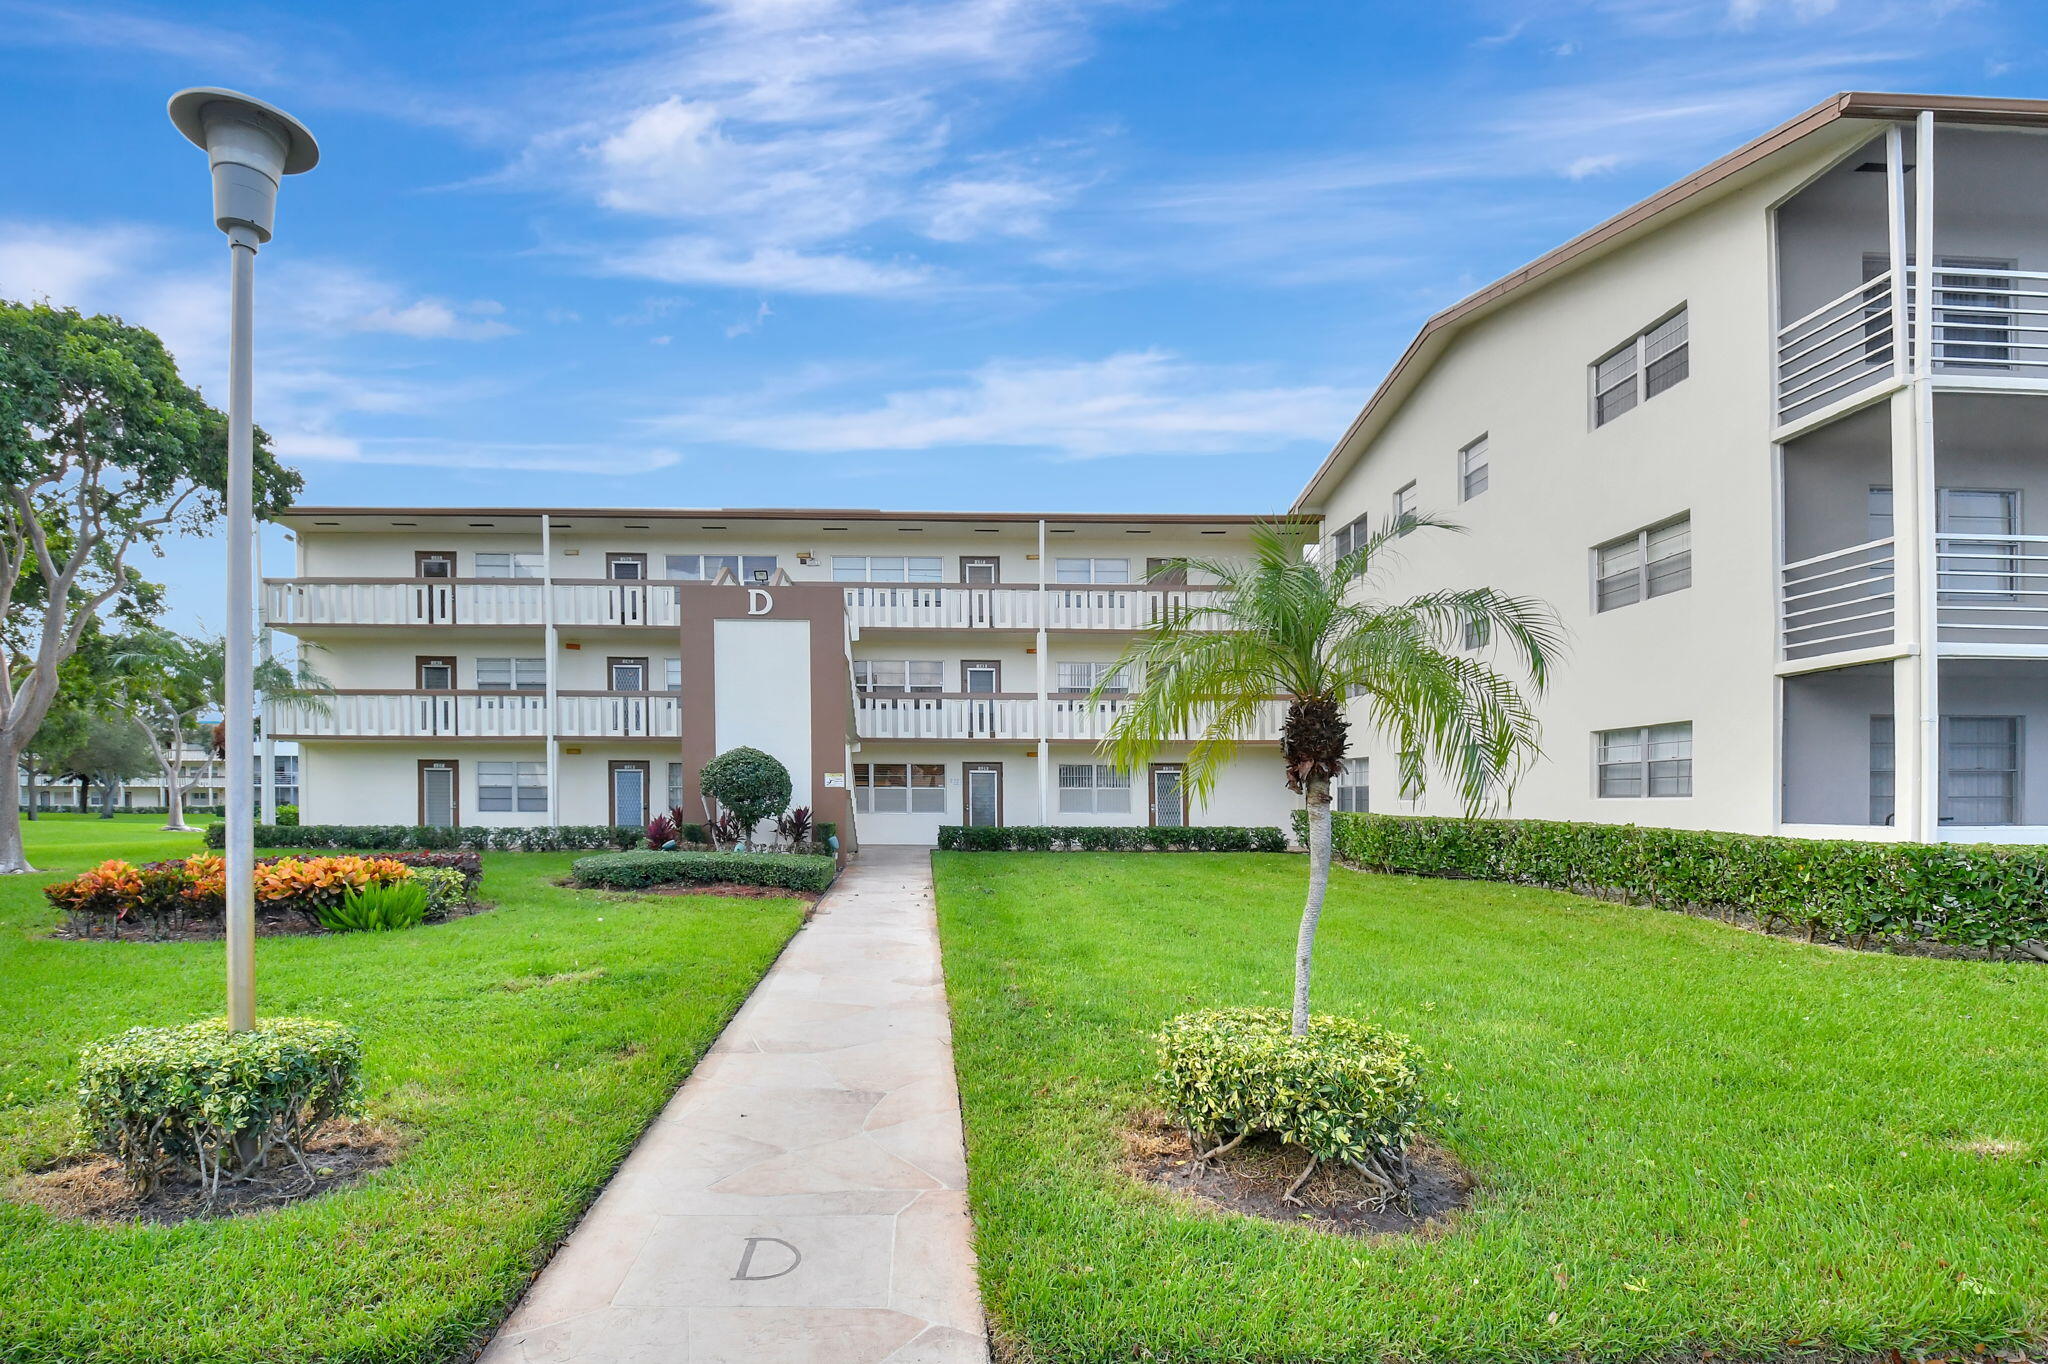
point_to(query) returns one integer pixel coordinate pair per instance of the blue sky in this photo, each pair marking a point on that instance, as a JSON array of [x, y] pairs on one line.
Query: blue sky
[[938, 254]]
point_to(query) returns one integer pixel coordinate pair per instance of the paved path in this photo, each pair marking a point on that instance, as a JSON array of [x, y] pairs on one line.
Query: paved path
[[802, 1196]]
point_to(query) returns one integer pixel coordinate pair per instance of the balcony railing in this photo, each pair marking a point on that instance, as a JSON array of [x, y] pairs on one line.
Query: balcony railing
[[1068, 718], [601, 601], [914, 606], [1992, 590], [1839, 601], [1987, 322], [476, 715], [294, 602]]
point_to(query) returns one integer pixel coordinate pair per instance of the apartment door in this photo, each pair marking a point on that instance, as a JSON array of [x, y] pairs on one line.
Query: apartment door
[[438, 807], [435, 676], [434, 594], [983, 806], [629, 793], [1159, 575], [981, 679], [627, 676], [980, 568], [1166, 804], [433, 563], [625, 567]]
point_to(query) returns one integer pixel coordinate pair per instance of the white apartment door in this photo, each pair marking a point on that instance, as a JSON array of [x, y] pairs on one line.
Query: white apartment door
[[437, 793], [629, 793], [984, 803], [1168, 806], [434, 594]]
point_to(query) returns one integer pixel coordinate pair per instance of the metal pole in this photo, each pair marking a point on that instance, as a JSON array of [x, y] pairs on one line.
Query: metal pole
[[241, 836]]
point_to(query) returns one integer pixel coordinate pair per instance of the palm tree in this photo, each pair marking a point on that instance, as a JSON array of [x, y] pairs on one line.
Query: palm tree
[[1286, 625]]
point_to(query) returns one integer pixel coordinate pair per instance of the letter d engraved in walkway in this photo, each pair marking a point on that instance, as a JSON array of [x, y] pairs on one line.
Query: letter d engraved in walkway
[[745, 1271]]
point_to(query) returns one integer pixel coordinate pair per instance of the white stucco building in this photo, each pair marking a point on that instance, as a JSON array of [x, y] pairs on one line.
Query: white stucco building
[[1775, 443], [580, 666]]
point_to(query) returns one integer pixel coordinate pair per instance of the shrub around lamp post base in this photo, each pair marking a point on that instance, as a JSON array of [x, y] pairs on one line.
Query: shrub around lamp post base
[[216, 1103], [1346, 1091]]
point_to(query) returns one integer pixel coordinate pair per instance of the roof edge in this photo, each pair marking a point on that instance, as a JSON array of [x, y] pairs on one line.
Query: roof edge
[[801, 514]]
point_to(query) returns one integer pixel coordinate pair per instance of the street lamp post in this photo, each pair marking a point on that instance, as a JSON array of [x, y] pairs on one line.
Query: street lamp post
[[249, 146]]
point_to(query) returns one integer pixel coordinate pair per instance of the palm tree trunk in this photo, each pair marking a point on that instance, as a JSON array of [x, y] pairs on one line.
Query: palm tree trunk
[[1318, 795]]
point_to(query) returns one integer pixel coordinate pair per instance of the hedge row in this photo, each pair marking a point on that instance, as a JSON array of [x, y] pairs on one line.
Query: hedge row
[[639, 870], [1108, 838], [474, 837], [1965, 895]]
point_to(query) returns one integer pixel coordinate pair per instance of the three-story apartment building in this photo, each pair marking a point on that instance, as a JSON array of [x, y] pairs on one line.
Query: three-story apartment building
[[1775, 441], [528, 666]]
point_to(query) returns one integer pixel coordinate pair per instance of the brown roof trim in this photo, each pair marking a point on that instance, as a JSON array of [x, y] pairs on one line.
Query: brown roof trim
[[1848, 105], [798, 514]]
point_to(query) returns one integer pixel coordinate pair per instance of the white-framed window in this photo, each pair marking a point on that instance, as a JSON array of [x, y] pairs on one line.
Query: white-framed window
[[1352, 795], [899, 674], [1649, 563], [1404, 502], [1640, 368], [672, 673], [1472, 467], [1092, 570], [1477, 634], [1653, 760], [1346, 539], [1980, 770], [510, 564], [887, 568], [1884, 770], [1093, 788], [899, 788], [704, 568], [675, 786], [511, 674], [503, 787], [1078, 679]]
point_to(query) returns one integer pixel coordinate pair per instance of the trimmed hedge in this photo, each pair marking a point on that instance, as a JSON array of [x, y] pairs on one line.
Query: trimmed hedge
[[639, 870], [1109, 838], [1962, 894], [474, 837]]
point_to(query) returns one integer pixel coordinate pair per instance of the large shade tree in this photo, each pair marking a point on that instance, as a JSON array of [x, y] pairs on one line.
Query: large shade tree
[[104, 452], [1313, 631]]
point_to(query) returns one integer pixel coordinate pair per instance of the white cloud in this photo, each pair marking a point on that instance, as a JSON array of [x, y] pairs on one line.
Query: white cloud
[[706, 260], [1133, 402], [483, 456]]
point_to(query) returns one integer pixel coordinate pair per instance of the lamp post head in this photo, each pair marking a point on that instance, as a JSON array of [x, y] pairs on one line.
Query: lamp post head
[[250, 146]]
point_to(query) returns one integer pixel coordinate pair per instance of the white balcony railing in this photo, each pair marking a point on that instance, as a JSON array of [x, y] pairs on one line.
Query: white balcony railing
[[913, 606], [603, 602], [619, 715], [410, 715], [1838, 601], [296, 602], [1068, 718], [1988, 322], [1992, 592]]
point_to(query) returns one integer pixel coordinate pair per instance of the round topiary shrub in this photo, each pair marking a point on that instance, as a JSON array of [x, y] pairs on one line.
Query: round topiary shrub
[[1346, 1091], [749, 784], [211, 1101]]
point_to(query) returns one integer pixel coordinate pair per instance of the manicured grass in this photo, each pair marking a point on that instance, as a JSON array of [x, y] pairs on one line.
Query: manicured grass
[[519, 1052], [1690, 1138]]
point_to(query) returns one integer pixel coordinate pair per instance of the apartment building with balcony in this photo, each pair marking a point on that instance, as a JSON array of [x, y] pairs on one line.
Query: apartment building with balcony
[[580, 666], [1775, 442]]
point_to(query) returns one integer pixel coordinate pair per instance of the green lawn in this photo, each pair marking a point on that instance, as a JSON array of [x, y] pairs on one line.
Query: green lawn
[[519, 1094], [1689, 1137]]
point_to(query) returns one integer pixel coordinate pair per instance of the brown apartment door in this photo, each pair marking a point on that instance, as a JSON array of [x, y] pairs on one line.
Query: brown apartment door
[[1166, 802], [980, 568], [436, 704], [1177, 576], [439, 805], [625, 567], [982, 801], [981, 679], [433, 563], [434, 595], [629, 793]]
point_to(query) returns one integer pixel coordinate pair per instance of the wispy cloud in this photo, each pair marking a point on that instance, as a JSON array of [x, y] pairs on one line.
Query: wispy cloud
[[1130, 403]]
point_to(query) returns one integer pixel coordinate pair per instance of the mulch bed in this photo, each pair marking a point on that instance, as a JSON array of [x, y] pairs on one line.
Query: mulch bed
[[212, 930], [1252, 1179], [93, 1189]]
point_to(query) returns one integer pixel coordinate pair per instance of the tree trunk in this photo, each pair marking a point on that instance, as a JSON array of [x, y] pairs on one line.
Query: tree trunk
[[1318, 795], [84, 795], [174, 802], [30, 802], [107, 786], [12, 858]]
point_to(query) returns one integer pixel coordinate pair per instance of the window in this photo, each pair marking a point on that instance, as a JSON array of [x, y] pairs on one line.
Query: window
[[1078, 679], [1092, 570], [1980, 769], [1884, 767], [1346, 539], [1656, 761], [1353, 793], [511, 674], [512, 786], [694, 568], [1976, 569], [871, 568], [1472, 470], [1093, 788], [1649, 563], [1404, 503], [1477, 634], [672, 673], [899, 788], [509, 565], [899, 675], [1644, 366], [675, 786], [1974, 327]]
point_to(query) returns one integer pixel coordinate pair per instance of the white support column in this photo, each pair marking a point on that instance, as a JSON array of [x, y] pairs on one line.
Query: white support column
[[1925, 737], [551, 646], [1044, 706], [1895, 242]]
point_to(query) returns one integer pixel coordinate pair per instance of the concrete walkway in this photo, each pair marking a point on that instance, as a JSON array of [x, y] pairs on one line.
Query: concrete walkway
[[802, 1196]]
